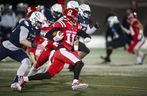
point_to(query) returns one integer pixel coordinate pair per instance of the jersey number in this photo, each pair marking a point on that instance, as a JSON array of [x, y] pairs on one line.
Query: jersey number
[[70, 38]]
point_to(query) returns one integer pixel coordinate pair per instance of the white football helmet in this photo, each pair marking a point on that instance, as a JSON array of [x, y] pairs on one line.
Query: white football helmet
[[56, 9], [73, 4], [84, 10], [112, 20], [38, 19]]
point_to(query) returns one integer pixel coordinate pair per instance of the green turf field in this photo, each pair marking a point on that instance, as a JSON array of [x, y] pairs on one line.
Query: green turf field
[[119, 78]]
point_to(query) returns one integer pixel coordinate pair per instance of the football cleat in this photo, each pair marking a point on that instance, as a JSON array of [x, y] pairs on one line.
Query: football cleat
[[16, 86], [106, 60], [77, 86], [140, 60]]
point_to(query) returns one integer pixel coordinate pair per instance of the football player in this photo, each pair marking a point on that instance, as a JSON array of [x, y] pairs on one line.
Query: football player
[[69, 28], [43, 57], [22, 35], [84, 18], [138, 38], [54, 13], [114, 36]]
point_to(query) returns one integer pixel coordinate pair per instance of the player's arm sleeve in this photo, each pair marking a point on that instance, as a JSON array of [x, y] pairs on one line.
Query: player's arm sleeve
[[83, 34], [23, 37], [23, 33], [55, 27]]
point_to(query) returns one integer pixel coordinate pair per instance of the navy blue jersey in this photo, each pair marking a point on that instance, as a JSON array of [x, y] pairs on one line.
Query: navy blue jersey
[[115, 28], [110, 36], [23, 28], [84, 22], [51, 19]]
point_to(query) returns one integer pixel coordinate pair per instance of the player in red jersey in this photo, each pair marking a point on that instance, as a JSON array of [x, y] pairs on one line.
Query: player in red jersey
[[42, 58], [34, 53], [69, 29], [136, 29]]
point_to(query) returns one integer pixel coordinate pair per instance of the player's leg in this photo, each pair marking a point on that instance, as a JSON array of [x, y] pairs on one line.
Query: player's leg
[[84, 50], [107, 58], [71, 59], [3, 52], [109, 49], [42, 59], [140, 55], [22, 57], [55, 68]]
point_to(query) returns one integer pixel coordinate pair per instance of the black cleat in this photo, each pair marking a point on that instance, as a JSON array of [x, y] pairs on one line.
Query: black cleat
[[105, 60]]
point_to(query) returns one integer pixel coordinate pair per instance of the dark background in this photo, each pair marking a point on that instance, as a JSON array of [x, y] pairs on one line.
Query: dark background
[[100, 8]]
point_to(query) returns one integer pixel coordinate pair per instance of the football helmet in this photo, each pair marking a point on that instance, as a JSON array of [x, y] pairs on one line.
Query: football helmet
[[30, 10], [38, 19], [132, 15], [70, 14], [112, 20], [56, 10], [73, 4], [84, 10]]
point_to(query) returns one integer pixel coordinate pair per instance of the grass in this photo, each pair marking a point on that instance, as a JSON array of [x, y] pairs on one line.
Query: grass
[[118, 78]]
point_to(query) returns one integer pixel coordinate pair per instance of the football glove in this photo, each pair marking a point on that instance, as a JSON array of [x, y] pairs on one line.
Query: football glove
[[87, 40], [59, 36]]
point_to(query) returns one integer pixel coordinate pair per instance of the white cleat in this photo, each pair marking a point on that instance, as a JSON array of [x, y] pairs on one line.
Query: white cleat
[[16, 86], [79, 86], [76, 85]]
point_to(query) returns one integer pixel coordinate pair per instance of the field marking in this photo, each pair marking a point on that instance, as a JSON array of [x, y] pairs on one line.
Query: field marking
[[112, 86]]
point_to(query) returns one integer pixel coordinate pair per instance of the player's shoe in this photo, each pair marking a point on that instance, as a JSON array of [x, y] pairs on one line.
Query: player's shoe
[[140, 60], [105, 60], [16, 86], [77, 85]]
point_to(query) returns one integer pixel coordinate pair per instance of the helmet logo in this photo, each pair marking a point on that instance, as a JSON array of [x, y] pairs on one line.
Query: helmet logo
[[37, 15], [69, 13]]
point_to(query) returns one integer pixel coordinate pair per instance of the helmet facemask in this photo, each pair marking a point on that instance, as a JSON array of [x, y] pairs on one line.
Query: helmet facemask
[[87, 14]]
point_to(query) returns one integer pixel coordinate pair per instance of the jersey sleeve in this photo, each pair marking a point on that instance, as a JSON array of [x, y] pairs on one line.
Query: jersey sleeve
[[23, 33], [54, 27]]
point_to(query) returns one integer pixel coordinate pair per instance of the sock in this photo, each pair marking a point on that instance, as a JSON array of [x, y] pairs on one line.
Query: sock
[[75, 81], [32, 71], [23, 67], [108, 52], [77, 69], [40, 76], [16, 79]]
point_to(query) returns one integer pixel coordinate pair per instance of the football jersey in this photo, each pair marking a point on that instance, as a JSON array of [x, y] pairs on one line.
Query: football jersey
[[69, 32], [24, 30], [134, 29], [84, 22]]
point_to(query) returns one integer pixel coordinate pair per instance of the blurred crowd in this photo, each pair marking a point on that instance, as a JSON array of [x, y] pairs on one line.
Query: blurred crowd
[[10, 17]]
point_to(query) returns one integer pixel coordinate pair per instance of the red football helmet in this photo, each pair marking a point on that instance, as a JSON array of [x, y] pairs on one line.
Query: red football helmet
[[30, 10], [132, 15], [70, 14]]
